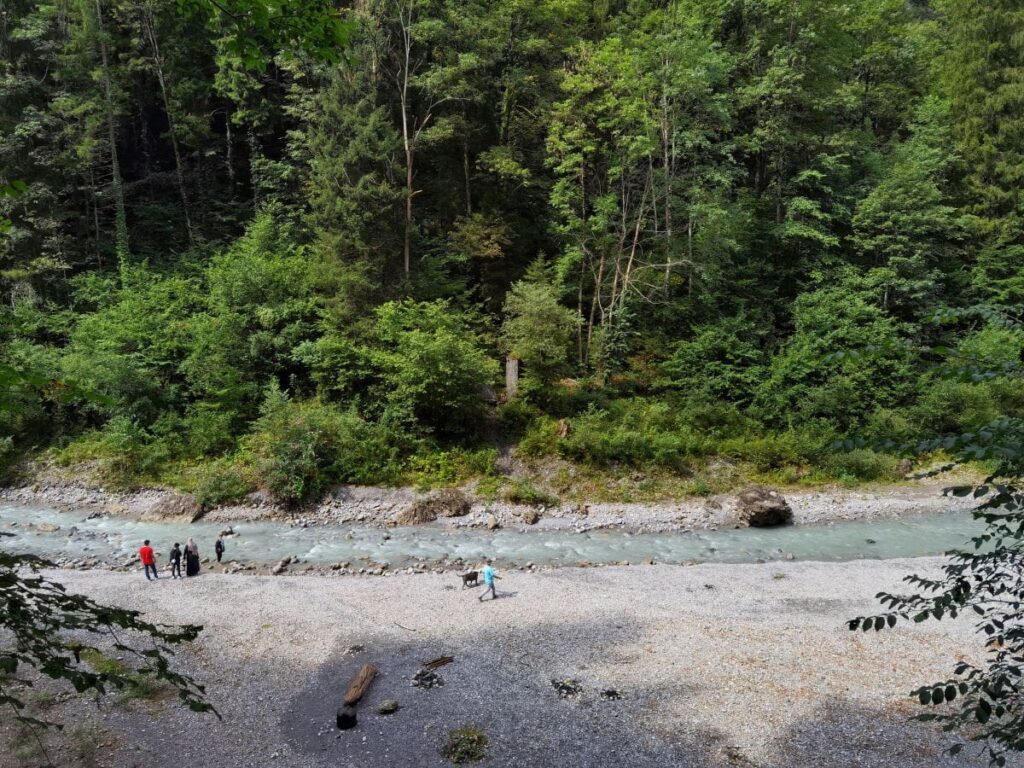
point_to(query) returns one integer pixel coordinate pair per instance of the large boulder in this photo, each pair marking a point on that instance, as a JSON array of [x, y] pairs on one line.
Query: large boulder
[[446, 503], [175, 506], [761, 507]]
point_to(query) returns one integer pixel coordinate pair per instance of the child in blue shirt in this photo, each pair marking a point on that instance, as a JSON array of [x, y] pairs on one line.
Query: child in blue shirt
[[489, 577]]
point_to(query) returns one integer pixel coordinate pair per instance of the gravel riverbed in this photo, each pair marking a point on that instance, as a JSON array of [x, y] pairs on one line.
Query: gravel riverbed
[[714, 665], [369, 506]]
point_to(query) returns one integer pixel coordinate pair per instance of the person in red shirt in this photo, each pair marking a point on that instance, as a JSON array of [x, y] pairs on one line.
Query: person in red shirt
[[148, 558]]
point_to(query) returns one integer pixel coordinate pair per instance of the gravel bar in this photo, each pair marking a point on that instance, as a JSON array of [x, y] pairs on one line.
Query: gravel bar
[[710, 665]]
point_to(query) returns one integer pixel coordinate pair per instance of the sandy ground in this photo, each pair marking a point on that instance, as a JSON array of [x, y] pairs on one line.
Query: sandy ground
[[717, 665]]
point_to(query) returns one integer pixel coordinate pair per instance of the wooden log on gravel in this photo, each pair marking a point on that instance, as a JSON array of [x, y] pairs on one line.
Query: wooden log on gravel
[[360, 683], [440, 661], [356, 689]]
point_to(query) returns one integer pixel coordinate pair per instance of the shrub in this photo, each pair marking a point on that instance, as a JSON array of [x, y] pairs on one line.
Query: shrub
[[466, 745], [889, 424], [221, 482], [125, 452], [541, 439], [302, 448], [432, 364], [525, 492], [766, 453], [516, 416], [862, 464], [632, 432], [537, 329], [955, 406], [724, 360], [210, 428], [825, 369], [441, 468]]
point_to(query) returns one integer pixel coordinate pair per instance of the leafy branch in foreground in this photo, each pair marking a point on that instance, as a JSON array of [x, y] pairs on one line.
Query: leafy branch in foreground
[[988, 581], [983, 701], [46, 628]]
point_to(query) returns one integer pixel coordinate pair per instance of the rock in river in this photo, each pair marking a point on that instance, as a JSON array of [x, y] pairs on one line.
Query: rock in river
[[761, 507]]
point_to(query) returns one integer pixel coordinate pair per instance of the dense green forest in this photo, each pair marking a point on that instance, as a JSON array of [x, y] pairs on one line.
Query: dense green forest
[[716, 233]]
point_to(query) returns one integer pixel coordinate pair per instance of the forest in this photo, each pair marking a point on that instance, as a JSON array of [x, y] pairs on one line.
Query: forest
[[778, 239]]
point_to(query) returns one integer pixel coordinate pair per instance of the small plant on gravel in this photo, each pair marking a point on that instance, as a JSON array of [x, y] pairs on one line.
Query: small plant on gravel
[[87, 745], [466, 745], [137, 686], [525, 492]]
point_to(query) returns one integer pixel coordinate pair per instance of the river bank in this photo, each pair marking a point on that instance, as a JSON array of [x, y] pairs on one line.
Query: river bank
[[713, 665], [368, 506]]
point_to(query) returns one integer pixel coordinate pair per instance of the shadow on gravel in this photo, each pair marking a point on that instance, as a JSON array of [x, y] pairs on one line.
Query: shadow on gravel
[[846, 734], [502, 685]]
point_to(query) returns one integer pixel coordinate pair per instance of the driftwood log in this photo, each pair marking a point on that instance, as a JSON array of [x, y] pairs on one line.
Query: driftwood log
[[440, 661], [356, 690]]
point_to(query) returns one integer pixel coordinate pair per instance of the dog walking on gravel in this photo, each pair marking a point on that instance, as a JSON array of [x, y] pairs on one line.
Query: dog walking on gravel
[[488, 574]]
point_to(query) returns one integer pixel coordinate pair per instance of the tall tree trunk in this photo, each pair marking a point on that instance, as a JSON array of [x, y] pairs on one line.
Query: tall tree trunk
[[95, 216], [667, 170], [120, 214], [579, 310], [149, 26], [253, 152], [408, 139], [640, 215], [230, 158], [465, 173]]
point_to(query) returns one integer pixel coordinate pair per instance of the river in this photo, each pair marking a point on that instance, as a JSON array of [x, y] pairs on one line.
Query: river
[[115, 539]]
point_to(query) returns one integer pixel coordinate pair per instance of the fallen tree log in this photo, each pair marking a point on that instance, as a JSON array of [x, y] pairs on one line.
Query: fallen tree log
[[440, 661], [360, 683], [356, 690]]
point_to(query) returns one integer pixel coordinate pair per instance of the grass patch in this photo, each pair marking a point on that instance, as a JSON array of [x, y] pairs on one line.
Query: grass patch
[[25, 743], [466, 745], [138, 686], [87, 744], [525, 492], [44, 700], [489, 487]]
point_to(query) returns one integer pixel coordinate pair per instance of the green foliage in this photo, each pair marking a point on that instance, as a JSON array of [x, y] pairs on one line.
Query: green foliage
[[221, 482], [950, 406], [51, 630], [753, 234], [725, 361], [538, 330], [633, 434], [466, 745], [433, 469], [523, 491], [315, 28], [302, 448], [766, 453], [432, 365], [807, 381], [861, 465]]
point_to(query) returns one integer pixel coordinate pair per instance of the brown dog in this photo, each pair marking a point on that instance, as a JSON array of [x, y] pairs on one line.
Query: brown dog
[[469, 579]]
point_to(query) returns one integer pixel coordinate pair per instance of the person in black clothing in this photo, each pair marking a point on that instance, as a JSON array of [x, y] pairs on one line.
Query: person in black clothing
[[219, 548], [176, 561], [191, 558]]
